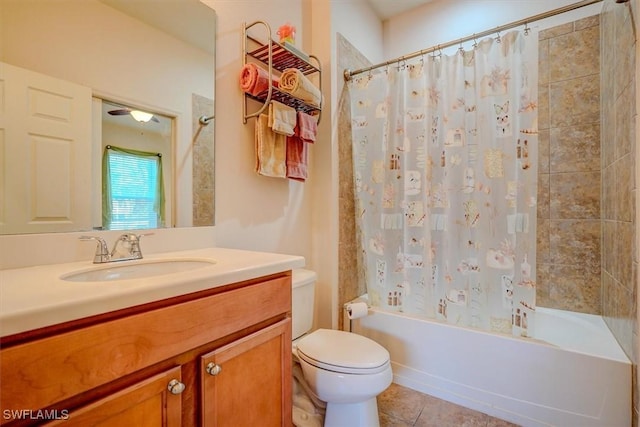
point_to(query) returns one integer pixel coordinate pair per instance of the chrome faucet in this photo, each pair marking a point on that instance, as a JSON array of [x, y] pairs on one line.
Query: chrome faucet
[[126, 247], [102, 251]]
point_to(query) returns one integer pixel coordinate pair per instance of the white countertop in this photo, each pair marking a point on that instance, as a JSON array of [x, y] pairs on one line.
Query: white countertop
[[35, 297]]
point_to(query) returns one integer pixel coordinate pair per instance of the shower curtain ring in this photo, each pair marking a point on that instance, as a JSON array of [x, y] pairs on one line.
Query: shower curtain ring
[[475, 41], [498, 38], [437, 55], [526, 29]]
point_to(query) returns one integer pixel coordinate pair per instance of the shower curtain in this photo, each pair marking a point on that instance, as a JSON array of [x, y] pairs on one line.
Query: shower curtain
[[445, 169]]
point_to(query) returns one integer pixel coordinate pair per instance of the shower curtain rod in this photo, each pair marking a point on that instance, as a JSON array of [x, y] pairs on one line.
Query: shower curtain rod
[[348, 73]]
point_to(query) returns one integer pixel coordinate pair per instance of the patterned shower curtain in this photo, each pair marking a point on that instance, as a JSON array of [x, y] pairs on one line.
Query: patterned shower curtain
[[445, 165]]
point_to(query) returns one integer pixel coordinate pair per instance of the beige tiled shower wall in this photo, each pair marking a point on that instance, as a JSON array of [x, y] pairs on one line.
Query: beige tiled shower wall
[[351, 283], [587, 240], [203, 161], [618, 159], [568, 241], [619, 190]]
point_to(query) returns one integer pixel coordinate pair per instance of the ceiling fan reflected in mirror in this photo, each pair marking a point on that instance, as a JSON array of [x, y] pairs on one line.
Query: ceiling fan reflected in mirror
[[141, 116]]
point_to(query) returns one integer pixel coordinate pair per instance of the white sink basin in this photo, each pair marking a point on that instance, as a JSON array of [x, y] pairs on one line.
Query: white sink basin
[[136, 270]]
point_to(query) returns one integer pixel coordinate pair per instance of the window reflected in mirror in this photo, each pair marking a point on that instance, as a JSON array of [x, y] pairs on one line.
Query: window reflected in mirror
[[136, 168]]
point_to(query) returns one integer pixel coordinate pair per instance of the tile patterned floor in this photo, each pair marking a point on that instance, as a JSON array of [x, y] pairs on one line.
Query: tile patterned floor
[[402, 407]]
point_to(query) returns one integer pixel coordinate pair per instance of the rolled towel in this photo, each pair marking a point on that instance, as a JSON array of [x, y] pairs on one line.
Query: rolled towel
[[293, 82], [254, 79]]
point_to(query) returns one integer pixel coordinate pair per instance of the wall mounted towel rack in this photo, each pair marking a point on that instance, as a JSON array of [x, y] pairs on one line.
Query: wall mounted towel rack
[[277, 57]]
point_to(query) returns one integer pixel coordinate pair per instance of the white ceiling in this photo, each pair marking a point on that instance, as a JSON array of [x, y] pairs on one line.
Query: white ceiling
[[387, 8]]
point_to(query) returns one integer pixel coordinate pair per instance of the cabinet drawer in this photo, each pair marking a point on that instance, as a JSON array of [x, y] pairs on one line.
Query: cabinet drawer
[[37, 374]]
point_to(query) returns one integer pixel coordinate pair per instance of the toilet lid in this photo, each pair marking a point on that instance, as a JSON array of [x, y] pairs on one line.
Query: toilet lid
[[343, 352]]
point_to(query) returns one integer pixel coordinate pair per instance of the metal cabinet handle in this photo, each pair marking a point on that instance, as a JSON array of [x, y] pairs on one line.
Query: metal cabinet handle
[[176, 387], [213, 369]]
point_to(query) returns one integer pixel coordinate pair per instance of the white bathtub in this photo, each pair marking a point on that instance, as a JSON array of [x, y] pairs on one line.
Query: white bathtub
[[573, 374]]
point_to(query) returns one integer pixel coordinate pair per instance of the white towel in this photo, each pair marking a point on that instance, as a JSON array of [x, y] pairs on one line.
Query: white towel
[[305, 419], [282, 118], [293, 82], [306, 413], [304, 388], [271, 150]]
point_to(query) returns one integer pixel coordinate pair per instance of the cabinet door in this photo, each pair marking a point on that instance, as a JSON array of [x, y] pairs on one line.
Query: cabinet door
[[248, 382], [149, 403]]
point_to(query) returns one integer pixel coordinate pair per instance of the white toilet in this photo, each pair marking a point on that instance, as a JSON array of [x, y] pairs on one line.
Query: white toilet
[[345, 370]]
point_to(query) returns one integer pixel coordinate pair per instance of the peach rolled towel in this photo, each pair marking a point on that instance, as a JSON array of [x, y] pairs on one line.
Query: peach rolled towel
[[254, 79], [293, 82]]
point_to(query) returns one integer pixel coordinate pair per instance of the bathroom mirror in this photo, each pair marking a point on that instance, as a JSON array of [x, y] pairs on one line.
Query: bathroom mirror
[[59, 61]]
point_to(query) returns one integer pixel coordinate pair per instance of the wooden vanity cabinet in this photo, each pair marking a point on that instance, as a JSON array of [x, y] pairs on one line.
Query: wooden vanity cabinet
[[220, 357]]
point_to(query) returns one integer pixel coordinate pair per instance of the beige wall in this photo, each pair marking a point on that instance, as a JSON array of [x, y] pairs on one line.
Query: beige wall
[[252, 211], [270, 214]]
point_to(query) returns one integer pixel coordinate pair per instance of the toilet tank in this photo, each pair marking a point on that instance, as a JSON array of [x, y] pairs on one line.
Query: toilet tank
[[302, 297]]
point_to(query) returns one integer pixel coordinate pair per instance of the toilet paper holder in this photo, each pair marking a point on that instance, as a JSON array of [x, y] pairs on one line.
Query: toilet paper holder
[[353, 310]]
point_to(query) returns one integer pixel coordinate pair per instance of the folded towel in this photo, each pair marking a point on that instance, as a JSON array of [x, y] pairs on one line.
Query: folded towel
[[293, 82], [297, 158], [307, 127], [282, 118], [271, 150], [254, 79]]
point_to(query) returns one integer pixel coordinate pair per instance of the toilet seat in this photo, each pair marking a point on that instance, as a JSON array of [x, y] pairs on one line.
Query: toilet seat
[[343, 352]]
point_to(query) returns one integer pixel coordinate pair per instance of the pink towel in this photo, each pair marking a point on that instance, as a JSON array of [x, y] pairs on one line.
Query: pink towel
[[307, 127], [297, 158], [254, 79]]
